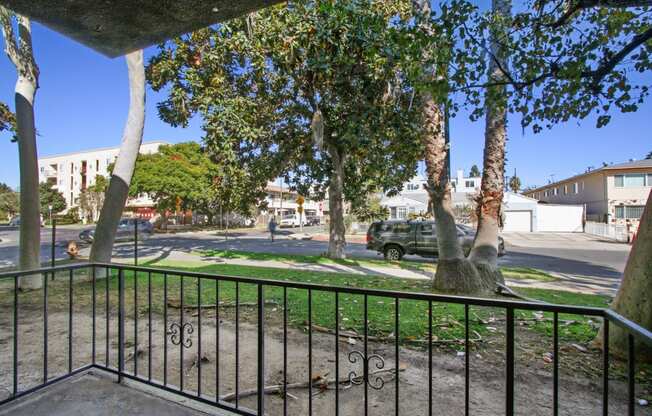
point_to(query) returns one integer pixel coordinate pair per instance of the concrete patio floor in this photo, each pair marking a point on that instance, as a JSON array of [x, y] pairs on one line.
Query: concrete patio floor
[[96, 394]]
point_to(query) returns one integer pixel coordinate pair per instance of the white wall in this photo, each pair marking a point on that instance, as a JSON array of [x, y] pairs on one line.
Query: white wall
[[559, 218]]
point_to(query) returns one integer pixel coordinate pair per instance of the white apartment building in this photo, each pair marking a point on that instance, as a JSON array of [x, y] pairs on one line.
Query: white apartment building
[[413, 199], [72, 173], [281, 201]]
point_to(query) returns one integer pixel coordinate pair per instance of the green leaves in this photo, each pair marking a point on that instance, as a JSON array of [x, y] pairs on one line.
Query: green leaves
[[49, 196], [7, 118], [257, 82], [560, 66]]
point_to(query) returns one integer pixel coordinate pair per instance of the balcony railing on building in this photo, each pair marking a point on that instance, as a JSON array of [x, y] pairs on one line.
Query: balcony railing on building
[[223, 341]]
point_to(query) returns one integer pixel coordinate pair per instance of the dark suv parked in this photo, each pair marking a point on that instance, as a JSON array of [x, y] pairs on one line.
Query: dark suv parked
[[400, 237]]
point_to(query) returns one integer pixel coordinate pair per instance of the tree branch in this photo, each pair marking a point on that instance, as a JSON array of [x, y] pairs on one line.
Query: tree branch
[[572, 9], [610, 63], [11, 49]]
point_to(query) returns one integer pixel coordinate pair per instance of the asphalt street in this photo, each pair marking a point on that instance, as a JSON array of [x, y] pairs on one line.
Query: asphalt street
[[576, 254]]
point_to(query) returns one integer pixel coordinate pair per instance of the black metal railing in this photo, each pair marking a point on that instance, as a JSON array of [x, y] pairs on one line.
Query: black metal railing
[[71, 306]]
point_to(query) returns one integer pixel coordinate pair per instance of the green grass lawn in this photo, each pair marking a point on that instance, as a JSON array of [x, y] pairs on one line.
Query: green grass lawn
[[448, 318], [519, 273]]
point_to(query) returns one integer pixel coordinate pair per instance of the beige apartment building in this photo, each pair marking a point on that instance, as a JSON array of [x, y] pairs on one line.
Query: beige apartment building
[[611, 194]]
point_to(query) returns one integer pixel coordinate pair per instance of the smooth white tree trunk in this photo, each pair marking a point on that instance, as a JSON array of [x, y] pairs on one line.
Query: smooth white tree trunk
[[118, 190], [634, 300], [20, 53], [30, 217]]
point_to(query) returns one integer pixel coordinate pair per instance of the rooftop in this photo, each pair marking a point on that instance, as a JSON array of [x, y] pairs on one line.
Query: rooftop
[[99, 149], [633, 164]]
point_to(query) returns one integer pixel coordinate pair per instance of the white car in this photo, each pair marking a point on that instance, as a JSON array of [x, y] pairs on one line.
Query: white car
[[290, 220]]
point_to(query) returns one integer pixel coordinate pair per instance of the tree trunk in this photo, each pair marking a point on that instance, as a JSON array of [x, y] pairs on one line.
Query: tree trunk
[[485, 247], [19, 51], [118, 191], [454, 273], [337, 230], [30, 217], [633, 299]]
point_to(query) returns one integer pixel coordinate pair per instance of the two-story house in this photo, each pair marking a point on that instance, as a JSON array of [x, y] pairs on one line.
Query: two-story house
[[611, 194]]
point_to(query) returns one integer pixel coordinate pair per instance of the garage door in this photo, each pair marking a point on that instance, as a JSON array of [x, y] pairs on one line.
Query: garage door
[[518, 221], [560, 218]]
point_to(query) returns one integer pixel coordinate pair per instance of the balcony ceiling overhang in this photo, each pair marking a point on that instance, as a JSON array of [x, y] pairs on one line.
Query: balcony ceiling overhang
[[116, 27]]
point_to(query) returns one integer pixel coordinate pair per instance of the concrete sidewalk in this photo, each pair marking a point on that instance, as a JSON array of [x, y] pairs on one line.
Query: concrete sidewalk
[[566, 282]]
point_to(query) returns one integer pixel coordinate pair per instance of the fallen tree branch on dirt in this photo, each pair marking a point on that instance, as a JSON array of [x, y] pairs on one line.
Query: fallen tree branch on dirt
[[345, 334], [507, 291], [319, 382]]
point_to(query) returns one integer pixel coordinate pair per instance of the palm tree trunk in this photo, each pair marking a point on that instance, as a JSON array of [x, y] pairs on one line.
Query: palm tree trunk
[[454, 272], [484, 253], [118, 191]]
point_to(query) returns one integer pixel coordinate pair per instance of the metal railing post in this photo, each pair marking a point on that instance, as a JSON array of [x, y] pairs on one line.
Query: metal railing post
[[261, 351], [136, 242], [121, 324], [509, 363], [53, 248]]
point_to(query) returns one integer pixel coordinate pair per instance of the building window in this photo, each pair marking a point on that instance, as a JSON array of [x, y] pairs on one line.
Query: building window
[[632, 180], [412, 187], [565, 189], [469, 184], [402, 212], [633, 212], [575, 187], [620, 212]]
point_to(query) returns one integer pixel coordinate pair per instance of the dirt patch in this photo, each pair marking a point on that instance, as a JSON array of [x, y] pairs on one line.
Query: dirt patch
[[580, 391]]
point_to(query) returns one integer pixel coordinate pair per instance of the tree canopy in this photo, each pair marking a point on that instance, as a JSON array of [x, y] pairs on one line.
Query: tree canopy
[[183, 176], [515, 184], [300, 91], [566, 60], [49, 196], [7, 119], [9, 201]]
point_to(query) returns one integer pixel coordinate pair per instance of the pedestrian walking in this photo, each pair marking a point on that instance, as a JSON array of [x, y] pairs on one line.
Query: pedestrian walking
[[272, 227]]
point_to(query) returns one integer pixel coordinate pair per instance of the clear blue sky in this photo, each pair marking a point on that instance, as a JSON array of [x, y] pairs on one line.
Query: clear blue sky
[[83, 98]]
